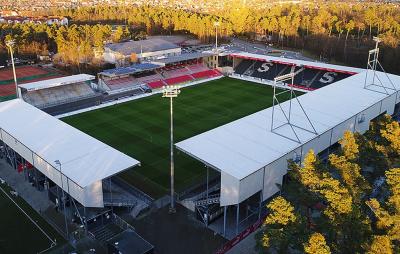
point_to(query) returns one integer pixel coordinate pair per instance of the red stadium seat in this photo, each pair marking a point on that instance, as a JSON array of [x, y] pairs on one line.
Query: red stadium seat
[[178, 80], [206, 74], [156, 84]]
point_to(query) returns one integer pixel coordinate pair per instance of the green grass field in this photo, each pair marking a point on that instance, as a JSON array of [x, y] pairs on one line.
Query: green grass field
[[140, 128], [18, 234]]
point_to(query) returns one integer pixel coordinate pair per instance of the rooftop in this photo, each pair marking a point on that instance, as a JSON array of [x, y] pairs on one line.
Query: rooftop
[[85, 160], [143, 46], [182, 57], [244, 146], [134, 68], [38, 85]]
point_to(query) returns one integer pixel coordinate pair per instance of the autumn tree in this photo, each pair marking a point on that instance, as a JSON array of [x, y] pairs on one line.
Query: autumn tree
[[380, 245], [348, 167], [283, 227], [316, 244]]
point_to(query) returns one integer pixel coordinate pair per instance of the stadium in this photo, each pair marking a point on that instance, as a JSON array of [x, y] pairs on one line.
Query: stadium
[[238, 120]]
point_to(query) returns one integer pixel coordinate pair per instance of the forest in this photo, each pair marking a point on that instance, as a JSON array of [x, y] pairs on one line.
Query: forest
[[339, 32], [348, 203]]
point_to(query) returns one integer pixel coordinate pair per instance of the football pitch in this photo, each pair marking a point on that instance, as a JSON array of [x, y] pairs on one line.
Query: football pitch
[[140, 128], [18, 233]]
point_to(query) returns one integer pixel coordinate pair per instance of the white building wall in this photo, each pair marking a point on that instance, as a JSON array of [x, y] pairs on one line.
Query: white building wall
[[388, 104], [275, 171], [168, 52], [364, 118], [340, 129], [318, 144], [398, 97], [229, 190], [250, 185], [16, 146], [91, 196]]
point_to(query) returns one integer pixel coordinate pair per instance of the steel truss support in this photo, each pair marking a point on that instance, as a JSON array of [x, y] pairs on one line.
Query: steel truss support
[[372, 64], [288, 114]]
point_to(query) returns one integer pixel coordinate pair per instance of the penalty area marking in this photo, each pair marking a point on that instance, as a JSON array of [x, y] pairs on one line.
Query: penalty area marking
[[53, 243]]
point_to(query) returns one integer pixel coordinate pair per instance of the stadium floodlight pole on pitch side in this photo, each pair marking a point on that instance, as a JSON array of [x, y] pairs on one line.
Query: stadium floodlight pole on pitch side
[[171, 92], [63, 197], [216, 24], [10, 44]]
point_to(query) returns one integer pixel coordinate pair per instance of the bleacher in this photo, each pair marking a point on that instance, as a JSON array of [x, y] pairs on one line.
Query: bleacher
[[306, 78], [197, 67], [156, 84], [176, 73], [178, 80], [327, 77], [206, 74], [58, 95], [118, 83], [243, 66]]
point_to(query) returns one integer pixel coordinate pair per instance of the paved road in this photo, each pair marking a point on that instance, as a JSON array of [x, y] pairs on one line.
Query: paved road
[[263, 49]]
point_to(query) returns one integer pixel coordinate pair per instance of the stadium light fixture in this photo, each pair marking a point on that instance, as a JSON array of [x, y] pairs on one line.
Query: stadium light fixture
[[10, 44], [171, 92], [216, 24], [58, 163]]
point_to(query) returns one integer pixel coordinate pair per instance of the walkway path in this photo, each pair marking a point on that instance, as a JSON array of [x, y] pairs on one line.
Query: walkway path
[[36, 199], [246, 246]]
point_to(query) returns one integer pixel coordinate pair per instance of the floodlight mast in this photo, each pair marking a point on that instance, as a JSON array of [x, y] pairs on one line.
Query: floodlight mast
[[10, 44], [171, 92], [216, 24], [275, 102], [373, 64]]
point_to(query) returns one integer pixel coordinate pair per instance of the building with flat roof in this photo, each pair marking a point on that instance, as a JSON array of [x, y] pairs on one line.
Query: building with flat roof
[[71, 159], [251, 154], [124, 53]]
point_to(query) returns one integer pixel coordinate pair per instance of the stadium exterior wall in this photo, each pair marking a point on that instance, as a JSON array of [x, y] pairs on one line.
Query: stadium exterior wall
[[90, 196], [114, 57], [235, 191]]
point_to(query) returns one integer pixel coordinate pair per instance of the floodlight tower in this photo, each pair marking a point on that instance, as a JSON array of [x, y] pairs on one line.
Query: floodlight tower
[[171, 92], [373, 64], [63, 196], [288, 113], [216, 24], [375, 57], [10, 44]]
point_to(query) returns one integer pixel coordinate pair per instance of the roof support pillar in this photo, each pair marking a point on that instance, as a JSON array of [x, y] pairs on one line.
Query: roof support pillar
[[225, 210], [207, 190], [237, 218], [261, 195]]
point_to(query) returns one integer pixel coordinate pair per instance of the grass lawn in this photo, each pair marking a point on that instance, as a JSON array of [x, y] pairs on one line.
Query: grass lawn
[[140, 128], [18, 234]]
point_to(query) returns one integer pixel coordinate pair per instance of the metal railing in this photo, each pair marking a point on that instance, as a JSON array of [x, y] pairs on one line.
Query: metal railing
[[122, 223], [212, 199], [120, 202]]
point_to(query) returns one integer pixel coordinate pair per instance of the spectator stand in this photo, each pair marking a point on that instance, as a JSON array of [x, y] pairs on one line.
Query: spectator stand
[[52, 92], [309, 75]]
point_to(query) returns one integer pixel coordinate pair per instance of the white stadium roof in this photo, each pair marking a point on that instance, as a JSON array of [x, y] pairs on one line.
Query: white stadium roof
[[309, 64], [244, 146], [85, 160], [56, 82]]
